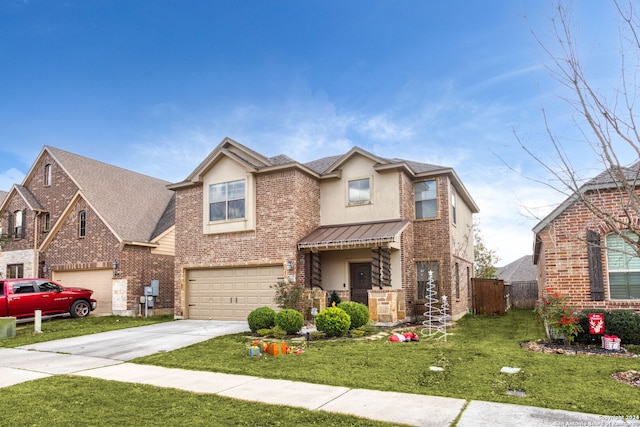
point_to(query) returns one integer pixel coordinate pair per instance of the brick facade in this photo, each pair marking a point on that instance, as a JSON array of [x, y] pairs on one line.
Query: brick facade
[[287, 208], [66, 250], [562, 261]]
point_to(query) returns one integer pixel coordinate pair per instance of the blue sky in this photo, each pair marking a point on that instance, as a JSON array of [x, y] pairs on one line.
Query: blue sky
[[155, 85]]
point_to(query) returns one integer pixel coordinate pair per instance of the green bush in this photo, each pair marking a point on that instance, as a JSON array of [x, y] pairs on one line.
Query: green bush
[[359, 313], [261, 318], [625, 324], [333, 321], [289, 320]]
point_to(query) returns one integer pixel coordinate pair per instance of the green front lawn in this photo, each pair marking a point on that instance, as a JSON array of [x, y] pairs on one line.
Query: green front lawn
[[67, 401], [472, 359]]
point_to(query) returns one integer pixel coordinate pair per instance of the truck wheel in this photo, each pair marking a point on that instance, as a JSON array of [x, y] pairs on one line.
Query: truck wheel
[[80, 308]]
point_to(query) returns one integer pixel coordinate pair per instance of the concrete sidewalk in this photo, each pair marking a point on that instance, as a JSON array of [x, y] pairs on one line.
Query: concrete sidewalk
[[33, 362]]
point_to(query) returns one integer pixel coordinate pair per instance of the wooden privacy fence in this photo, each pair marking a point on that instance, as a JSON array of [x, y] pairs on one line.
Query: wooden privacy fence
[[489, 297], [523, 294]]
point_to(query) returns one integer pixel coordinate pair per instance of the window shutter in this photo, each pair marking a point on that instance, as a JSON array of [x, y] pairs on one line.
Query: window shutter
[[594, 252], [24, 223], [10, 224]]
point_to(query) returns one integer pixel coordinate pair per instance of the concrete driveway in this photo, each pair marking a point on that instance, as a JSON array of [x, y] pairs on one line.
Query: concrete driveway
[[127, 344]]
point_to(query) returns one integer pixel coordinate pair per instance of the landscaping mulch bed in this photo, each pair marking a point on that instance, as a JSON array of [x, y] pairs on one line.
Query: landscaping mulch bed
[[574, 349], [631, 378]]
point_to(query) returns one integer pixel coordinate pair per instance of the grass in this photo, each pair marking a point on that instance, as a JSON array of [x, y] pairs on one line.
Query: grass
[[65, 401], [55, 329], [472, 357]]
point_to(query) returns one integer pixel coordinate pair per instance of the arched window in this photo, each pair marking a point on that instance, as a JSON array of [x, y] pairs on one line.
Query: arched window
[[18, 229], [623, 267], [82, 224], [46, 222], [47, 174]]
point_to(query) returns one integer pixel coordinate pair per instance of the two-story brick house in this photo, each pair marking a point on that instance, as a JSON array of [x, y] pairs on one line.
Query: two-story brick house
[[577, 253], [85, 223], [366, 227]]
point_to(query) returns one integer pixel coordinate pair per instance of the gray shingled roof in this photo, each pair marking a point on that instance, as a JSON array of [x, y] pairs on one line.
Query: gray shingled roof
[[29, 198], [132, 204], [520, 270], [321, 165], [3, 194]]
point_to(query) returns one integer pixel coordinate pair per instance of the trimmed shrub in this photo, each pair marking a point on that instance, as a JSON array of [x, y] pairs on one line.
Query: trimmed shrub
[[359, 313], [289, 320], [333, 321], [625, 324], [261, 318]]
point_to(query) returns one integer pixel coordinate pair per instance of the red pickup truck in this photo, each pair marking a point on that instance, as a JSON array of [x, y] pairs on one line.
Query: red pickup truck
[[22, 297]]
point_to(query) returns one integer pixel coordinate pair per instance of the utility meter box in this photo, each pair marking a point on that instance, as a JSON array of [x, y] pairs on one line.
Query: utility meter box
[[155, 288], [150, 301], [148, 291]]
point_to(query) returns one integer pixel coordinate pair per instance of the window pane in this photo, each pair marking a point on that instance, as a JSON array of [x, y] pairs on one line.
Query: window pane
[[217, 193], [425, 190], [236, 190], [618, 286], [217, 211], [620, 255], [426, 209], [236, 209], [634, 285], [359, 190], [422, 273]]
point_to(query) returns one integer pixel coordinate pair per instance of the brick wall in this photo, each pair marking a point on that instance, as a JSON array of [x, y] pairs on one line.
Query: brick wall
[[68, 251], [287, 208], [563, 262], [139, 267]]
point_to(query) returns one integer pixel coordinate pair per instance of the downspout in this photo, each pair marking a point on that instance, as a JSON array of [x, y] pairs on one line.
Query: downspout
[[36, 252]]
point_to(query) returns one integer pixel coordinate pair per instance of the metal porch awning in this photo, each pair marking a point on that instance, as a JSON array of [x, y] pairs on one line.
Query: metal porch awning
[[369, 234]]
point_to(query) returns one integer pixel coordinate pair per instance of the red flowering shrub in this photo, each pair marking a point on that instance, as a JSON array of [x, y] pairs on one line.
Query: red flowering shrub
[[559, 319]]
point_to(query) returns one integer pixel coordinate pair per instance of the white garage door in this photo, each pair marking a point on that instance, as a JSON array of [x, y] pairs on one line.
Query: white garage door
[[230, 293], [97, 280]]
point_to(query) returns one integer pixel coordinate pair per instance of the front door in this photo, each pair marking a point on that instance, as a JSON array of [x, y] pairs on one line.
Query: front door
[[360, 282]]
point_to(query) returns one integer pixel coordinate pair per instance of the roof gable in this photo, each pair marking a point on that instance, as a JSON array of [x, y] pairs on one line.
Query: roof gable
[[25, 194], [130, 204]]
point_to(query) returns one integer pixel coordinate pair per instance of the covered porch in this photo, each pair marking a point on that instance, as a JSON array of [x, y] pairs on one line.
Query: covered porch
[[361, 263]]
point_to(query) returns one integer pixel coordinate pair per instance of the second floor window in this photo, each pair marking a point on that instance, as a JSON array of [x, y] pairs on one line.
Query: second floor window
[[227, 200], [426, 199], [82, 223], [454, 214], [18, 228], [359, 191], [47, 174]]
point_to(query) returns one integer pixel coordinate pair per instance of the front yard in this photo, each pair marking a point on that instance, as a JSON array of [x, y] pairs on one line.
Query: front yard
[[472, 359]]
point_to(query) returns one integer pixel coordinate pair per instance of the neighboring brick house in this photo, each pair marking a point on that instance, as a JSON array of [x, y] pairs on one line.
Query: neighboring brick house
[[367, 227], [578, 255], [85, 223]]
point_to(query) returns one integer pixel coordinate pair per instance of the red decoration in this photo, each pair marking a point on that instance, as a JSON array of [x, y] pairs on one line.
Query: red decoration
[[596, 323]]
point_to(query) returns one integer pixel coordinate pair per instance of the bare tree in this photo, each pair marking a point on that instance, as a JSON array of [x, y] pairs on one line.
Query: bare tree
[[606, 121]]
